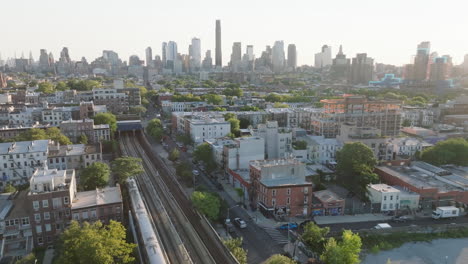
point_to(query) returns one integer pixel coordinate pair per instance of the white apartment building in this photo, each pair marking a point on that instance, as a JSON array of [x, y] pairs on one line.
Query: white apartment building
[[244, 150], [387, 196], [56, 115], [26, 117], [418, 116], [407, 146], [19, 160], [169, 106], [321, 150], [208, 128], [278, 140]]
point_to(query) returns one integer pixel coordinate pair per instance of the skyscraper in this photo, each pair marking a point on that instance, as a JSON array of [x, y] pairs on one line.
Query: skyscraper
[[195, 54], [236, 56], [171, 55], [219, 56], [65, 56], [207, 61], [421, 61], [340, 66], [278, 56], [323, 58], [292, 57], [362, 69], [44, 63], [163, 54], [149, 57], [441, 68]]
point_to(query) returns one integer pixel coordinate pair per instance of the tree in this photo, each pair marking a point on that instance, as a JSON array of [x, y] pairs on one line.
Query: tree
[[235, 126], [344, 252], [279, 259], [233, 91], [61, 86], [174, 155], [94, 243], [219, 109], [183, 170], [244, 123], [314, 237], [406, 123], [355, 167], [56, 135], [207, 203], [280, 105], [450, 151], [228, 116], [106, 118], [274, 97], [9, 188], [155, 129], [95, 176], [300, 145], [46, 87], [213, 99], [125, 167], [185, 139], [235, 246], [138, 110], [82, 139], [203, 152], [28, 259]]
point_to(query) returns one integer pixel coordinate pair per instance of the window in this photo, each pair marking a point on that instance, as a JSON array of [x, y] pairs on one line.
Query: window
[[39, 240], [288, 200], [273, 192], [288, 191], [45, 203], [85, 215], [56, 203], [93, 213], [25, 221], [38, 229], [57, 226], [76, 216], [37, 217], [385, 198], [273, 202], [306, 199], [391, 197], [65, 200], [46, 215], [48, 228], [385, 206], [391, 206], [306, 190], [36, 204]]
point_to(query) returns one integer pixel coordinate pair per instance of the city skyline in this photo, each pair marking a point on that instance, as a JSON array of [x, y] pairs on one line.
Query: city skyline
[[128, 33]]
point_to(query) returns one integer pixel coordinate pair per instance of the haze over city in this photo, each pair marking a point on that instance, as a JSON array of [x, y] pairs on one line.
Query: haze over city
[[387, 32]]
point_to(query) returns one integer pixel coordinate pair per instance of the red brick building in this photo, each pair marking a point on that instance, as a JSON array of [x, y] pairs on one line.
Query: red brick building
[[278, 187], [326, 202]]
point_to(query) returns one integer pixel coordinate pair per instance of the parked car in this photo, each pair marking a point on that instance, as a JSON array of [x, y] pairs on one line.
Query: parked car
[[240, 223], [288, 226], [400, 219], [195, 172]]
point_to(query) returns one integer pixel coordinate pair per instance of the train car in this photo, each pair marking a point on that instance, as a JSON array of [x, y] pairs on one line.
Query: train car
[[153, 251]]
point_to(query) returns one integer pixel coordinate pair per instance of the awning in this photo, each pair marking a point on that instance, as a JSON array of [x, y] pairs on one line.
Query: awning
[[264, 207]]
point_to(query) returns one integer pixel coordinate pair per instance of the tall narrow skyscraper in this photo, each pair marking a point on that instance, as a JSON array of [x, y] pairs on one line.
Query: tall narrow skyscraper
[[219, 56], [292, 57], [149, 57], [163, 54], [278, 57], [195, 54], [236, 56]]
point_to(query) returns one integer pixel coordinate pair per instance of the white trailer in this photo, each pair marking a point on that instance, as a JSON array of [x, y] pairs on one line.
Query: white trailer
[[445, 212], [383, 226]]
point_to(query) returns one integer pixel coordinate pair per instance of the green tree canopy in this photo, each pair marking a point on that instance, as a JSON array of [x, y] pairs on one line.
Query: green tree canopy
[[279, 259], [213, 99], [235, 126], [244, 123], [207, 203], [46, 87], [82, 139], [184, 139], [274, 97], [83, 85], [280, 105], [56, 135], [314, 237], [52, 133], [138, 110], [126, 167], [234, 91], [155, 129], [344, 252], [28, 259], [183, 170], [95, 176], [106, 118], [94, 243], [204, 152], [174, 155], [235, 246], [61, 86], [450, 151], [355, 167], [9, 188], [300, 145]]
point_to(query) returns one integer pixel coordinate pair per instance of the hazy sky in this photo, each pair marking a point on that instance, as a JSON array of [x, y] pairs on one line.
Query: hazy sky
[[387, 30]]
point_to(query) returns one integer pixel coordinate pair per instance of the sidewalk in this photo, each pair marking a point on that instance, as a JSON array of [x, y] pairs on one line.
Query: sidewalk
[[339, 219]]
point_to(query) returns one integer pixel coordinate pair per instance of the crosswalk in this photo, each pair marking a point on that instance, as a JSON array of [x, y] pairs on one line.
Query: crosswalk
[[276, 235]]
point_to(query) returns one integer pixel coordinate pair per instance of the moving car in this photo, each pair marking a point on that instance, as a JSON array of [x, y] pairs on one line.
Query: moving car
[[288, 226], [240, 223]]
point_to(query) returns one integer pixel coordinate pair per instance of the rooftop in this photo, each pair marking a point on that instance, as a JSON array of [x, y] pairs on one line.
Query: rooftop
[[282, 182], [327, 196], [383, 188], [258, 164], [107, 195], [24, 147]]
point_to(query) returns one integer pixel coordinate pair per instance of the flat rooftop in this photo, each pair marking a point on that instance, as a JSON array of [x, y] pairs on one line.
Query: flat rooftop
[[383, 188], [283, 182], [24, 147], [107, 195], [327, 196], [258, 164]]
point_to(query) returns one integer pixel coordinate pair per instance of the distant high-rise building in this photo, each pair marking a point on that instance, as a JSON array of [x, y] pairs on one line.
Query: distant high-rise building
[[362, 69], [292, 57], [323, 58], [340, 66], [171, 55], [264, 63], [250, 52], [149, 57], [44, 63], [441, 68], [219, 56], [207, 61], [421, 62], [278, 56], [134, 60], [248, 60], [163, 54], [236, 56], [65, 56], [112, 57], [195, 54]]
